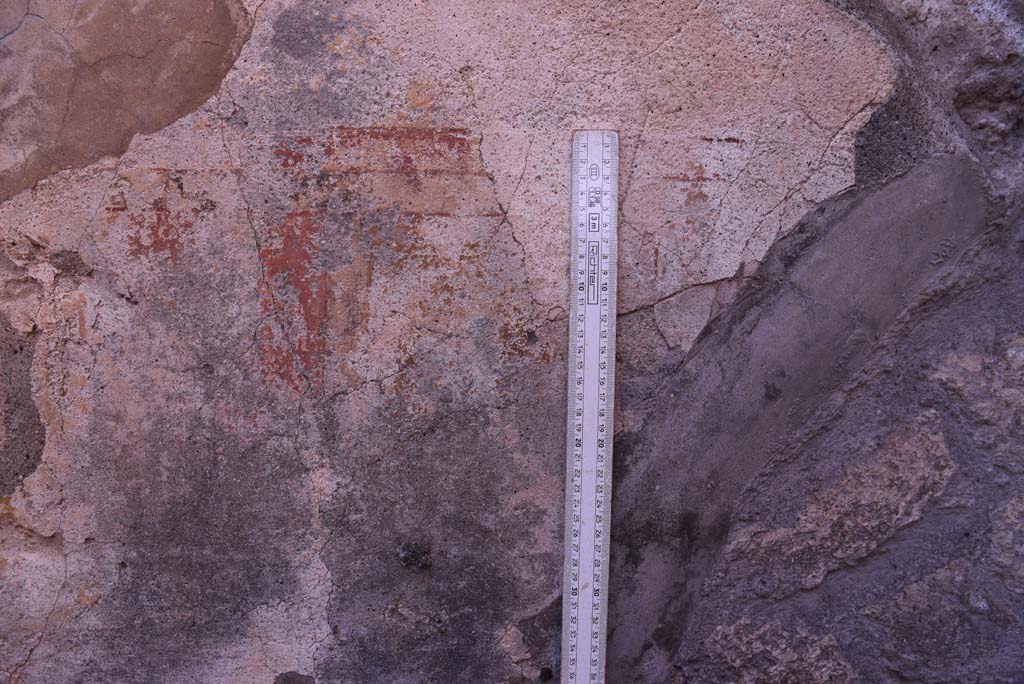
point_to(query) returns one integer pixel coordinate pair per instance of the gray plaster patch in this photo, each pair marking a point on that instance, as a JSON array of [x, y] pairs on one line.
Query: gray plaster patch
[[23, 437]]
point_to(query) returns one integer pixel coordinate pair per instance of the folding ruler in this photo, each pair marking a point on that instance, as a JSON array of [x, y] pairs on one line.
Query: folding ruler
[[595, 182]]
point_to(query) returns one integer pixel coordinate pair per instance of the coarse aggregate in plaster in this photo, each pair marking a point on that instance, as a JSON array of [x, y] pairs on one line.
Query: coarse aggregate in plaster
[[291, 324]]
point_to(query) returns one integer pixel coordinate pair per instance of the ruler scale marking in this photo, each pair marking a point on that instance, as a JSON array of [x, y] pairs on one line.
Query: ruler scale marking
[[594, 209]]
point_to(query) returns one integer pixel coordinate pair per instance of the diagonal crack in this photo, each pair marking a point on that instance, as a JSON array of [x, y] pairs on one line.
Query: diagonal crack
[[651, 305]]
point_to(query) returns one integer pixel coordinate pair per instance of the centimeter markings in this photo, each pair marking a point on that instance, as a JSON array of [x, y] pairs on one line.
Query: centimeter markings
[[595, 184]]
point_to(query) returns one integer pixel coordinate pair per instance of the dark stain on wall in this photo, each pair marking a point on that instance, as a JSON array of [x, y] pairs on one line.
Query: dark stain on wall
[[293, 678], [23, 436]]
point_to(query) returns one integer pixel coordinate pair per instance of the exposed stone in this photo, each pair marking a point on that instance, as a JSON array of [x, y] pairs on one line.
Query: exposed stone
[[1008, 543], [846, 521], [770, 654]]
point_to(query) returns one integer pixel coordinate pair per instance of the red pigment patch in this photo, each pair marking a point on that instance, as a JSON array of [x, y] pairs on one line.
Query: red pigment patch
[[290, 157], [117, 203], [159, 231], [312, 309], [695, 175], [403, 150], [435, 172], [298, 295]]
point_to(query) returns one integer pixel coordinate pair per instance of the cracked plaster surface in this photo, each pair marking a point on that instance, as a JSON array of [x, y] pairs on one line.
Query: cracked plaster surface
[[297, 311]]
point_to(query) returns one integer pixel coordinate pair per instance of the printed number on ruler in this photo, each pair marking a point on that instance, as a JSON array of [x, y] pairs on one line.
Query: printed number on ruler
[[594, 210]]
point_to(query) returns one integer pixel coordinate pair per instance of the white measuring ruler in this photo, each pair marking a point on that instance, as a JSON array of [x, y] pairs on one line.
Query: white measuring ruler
[[595, 187]]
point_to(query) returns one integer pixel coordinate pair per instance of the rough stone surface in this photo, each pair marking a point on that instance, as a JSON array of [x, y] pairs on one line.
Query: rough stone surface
[[283, 329]]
